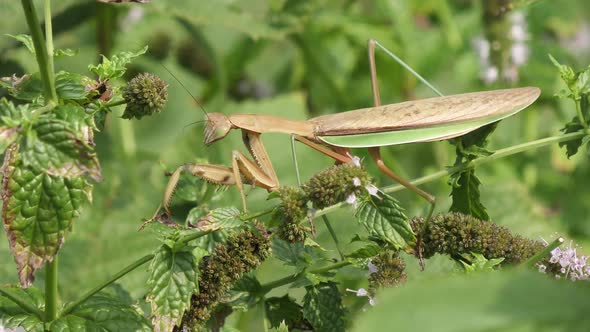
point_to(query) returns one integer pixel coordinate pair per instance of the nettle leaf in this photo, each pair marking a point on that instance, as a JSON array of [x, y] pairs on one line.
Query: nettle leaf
[[72, 86], [466, 196], [38, 208], [115, 66], [245, 293], [322, 307], [27, 40], [173, 280], [101, 313], [296, 254], [54, 147], [28, 87], [11, 117], [13, 316], [285, 310], [384, 219]]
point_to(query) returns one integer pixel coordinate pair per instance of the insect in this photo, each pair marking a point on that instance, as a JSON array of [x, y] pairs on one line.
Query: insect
[[425, 120]]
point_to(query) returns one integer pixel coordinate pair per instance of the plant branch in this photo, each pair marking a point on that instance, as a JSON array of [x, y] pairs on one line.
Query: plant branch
[[543, 253], [334, 236], [294, 277], [40, 49], [71, 306], [51, 290], [477, 162]]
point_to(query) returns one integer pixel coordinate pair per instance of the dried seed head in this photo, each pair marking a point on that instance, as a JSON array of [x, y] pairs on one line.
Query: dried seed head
[[145, 94]]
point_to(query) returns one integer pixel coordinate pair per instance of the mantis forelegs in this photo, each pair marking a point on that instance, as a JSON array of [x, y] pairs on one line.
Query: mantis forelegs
[[257, 173]]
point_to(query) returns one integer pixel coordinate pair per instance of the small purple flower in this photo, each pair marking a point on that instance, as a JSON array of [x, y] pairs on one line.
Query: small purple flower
[[372, 268]]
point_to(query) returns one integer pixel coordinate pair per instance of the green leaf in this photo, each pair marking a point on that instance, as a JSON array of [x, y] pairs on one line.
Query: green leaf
[[322, 307], [295, 254], [281, 328], [284, 310], [11, 117], [245, 293], [101, 313], [466, 197], [575, 125], [28, 87], [27, 40], [13, 316], [385, 219], [55, 147], [502, 301], [72, 86], [38, 209], [475, 262], [115, 66], [368, 249], [173, 278]]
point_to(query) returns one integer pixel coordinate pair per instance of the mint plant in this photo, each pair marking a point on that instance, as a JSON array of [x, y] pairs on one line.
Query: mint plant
[[204, 268]]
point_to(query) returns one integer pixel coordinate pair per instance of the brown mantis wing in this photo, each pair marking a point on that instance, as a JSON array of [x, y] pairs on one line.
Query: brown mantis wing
[[426, 112]]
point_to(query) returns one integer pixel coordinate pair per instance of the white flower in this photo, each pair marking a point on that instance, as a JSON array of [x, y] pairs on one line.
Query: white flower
[[351, 199], [356, 161], [372, 268], [542, 268], [356, 181], [363, 292], [373, 191]]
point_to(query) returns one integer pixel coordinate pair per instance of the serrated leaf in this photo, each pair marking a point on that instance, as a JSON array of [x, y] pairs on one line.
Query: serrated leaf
[[224, 218], [101, 313], [11, 117], [284, 310], [114, 67], [13, 316], [173, 280], [281, 328], [466, 196], [28, 87], [72, 86], [384, 218], [245, 293], [368, 250], [295, 254], [27, 40], [53, 146], [38, 209], [322, 307]]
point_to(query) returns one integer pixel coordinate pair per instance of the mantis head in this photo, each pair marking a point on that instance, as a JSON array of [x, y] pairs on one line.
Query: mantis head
[[218, 126]]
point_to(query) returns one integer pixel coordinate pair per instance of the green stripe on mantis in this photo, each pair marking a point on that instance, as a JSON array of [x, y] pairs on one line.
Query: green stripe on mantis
[[414, 135]]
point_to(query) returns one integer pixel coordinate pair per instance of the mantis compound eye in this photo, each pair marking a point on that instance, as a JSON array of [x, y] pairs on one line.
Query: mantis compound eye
[[218, 126]]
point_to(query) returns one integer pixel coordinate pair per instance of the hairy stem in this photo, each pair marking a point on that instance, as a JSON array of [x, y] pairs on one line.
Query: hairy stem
[[45, 68], [114, 278], [51, 290], [294, 277]]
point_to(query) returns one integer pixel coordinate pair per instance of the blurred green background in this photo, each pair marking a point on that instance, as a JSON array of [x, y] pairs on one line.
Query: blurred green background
[[298, 59]]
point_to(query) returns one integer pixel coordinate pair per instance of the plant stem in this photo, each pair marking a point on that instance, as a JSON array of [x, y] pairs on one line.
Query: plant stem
[[580, 114], [45, 69], [250, 216], [115, 103], [71, 306], [543, 253], [51, 290], [334, 237], [294, 277], [477, 162], [26, 306]]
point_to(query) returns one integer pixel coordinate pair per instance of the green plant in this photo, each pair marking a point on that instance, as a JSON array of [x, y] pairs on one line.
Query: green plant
[[214, 265]]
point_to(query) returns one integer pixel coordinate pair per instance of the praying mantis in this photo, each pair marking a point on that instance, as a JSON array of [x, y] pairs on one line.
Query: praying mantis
[[424, 120]]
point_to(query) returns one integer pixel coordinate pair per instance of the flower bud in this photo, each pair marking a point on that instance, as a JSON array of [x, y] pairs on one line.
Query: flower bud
[[145, 94]]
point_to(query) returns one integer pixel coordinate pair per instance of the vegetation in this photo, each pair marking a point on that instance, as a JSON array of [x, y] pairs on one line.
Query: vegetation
[[101, 101]]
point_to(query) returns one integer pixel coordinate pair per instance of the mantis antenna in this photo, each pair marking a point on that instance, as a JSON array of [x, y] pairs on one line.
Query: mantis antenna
[[190, 93]]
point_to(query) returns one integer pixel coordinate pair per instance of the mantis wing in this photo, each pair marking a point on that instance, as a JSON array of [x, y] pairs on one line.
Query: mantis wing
[[422, 120]]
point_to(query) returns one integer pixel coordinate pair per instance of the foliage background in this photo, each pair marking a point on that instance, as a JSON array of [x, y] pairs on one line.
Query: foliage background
[[298, 59]]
